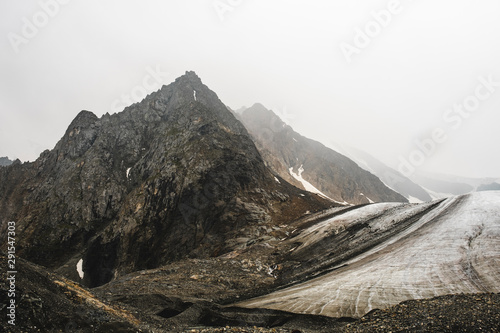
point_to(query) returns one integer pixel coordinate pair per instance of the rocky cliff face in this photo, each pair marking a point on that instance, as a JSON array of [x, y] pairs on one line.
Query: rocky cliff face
[[333, 174], [5, 161], [175, 175]]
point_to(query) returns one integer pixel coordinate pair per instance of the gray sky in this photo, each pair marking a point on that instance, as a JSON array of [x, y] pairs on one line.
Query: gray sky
[[377, 75]]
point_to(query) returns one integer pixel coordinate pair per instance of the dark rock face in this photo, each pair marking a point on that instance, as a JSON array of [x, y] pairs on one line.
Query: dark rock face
[[4, 161], [46, 302], [335, 175], [175, 175]]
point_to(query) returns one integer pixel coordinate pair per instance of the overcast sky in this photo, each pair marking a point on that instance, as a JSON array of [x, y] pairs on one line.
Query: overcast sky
[[381, 76]]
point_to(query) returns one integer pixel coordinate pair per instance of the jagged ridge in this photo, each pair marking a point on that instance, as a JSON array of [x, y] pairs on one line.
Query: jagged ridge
[[175, 175]]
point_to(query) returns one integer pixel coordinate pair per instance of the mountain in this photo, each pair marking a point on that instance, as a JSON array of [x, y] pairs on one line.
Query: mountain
[[174, 176], [391, 177], [4, 161], [441, 186], [309, 164], [489, 187], [166, 218], [421, 186], [240, 110], [473, 182]]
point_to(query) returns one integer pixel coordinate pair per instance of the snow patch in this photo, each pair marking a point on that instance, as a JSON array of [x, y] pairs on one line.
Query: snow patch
[[79, 268], [294, 139], [369, 200], [194, 94], [277, 180], [128, 172], [414, 200], [310, 187]]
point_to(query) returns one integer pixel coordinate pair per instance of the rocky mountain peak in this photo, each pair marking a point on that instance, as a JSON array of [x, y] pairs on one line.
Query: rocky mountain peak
[[257, 108], [84, 119], [259, 115], [190, 76], [174, 175], [190, 96], [79, 136], [191, 85]]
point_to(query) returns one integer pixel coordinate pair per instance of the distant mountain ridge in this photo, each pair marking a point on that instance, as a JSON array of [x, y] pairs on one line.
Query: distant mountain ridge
[[442, 185], [309, 164], [489, 187], [391, 177], [5, 161], [421, 186]]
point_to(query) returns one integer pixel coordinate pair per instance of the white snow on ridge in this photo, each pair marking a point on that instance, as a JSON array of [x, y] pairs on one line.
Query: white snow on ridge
[[369, 200], [315, 233], [413, 199], [310, 187], [128, 172], [451, 249], [277, 180], [79, 268], [194, 94]]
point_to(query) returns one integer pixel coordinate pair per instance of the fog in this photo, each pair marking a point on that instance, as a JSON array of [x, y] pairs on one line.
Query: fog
[[413, 81]]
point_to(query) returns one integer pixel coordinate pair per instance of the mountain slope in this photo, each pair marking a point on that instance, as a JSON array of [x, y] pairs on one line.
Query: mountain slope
[[175, 175], [47, 302], [311, 165], [391, 177], [382, 254]]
